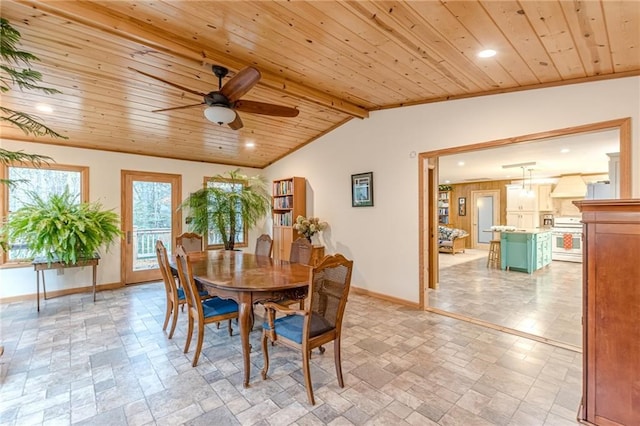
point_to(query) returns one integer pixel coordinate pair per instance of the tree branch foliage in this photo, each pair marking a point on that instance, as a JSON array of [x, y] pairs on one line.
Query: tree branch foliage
[[25, 79]]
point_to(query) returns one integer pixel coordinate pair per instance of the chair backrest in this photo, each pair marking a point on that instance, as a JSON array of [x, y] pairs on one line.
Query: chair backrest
[[328, 292], [301, 251], [185, 274], [165, 269], [264, 244], [190, 241]]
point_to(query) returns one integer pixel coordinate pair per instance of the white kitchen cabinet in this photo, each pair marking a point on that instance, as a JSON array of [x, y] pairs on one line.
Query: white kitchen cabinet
[[545, 202], [519, 199], [523, 206], [523, 220]]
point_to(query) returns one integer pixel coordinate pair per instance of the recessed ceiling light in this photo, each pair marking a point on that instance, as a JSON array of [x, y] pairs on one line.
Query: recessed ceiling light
[[447, 181], [44, 108], [250, 144], [564, 150], [460, 163], [487, 53]]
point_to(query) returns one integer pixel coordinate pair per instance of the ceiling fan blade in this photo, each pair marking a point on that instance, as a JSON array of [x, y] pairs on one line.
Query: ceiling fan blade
[[177, 86], [265, 109], [178, 107], [240, 83], [236, 124]]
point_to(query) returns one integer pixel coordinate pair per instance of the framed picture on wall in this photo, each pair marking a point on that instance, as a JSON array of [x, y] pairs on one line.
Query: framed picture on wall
[[362, 190], [462, 206]]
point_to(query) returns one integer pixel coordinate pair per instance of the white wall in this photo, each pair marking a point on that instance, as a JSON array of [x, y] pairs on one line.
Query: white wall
[[383, 240], [104, 186]]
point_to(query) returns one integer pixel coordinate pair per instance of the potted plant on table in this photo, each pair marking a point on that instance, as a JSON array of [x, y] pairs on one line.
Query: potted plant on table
[[232, 199], [61, 229]]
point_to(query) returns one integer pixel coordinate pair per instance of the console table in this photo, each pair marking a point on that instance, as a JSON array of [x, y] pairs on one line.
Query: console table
[[41, 264]]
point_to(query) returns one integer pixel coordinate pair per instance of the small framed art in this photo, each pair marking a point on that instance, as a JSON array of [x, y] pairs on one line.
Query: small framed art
[[362, 190], [462, 206]]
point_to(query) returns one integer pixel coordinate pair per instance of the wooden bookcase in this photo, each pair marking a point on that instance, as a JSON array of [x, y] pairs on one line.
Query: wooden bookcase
[[289, 202], [444, 207]]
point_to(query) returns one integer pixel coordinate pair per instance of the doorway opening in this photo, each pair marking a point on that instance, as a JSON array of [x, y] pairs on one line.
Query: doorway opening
[[430, 275]]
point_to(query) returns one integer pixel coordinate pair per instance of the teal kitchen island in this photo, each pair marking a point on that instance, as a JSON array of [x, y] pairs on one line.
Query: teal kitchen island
[[525, 250]]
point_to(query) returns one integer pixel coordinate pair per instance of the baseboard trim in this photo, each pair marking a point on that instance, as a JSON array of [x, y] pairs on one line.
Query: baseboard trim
[[396, 300], [508, 330], [63, 292]]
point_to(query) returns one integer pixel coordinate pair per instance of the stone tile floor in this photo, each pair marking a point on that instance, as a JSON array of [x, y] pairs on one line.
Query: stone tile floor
[[110, 363], [546, 303]]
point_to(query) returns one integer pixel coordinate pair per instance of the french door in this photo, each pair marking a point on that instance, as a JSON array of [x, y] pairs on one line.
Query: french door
[[149, 213]]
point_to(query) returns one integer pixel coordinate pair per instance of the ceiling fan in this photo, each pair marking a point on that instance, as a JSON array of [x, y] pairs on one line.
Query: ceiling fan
[[223, 104]]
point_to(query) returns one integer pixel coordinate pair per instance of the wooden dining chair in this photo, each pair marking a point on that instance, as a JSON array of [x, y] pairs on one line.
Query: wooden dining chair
[[301, 250], [264, 245], [175, 293], [320, 322], [190, 241], [201, 312]]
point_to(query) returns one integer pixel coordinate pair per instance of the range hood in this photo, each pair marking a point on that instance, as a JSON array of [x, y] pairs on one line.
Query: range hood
[[570, 186]]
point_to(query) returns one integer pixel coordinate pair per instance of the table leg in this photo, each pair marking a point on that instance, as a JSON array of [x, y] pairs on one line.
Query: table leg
[[38, 289], [44, 286], [245, 314], [95, 270]]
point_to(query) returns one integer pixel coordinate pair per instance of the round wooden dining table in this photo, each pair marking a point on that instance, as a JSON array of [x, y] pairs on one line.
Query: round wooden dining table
[[248, 279]]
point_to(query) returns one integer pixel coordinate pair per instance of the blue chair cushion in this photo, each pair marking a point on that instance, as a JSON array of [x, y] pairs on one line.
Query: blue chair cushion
[[290, 327], [217, 306]]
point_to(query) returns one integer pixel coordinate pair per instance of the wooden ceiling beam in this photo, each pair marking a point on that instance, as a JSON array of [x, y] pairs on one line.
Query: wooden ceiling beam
[[103, 19]]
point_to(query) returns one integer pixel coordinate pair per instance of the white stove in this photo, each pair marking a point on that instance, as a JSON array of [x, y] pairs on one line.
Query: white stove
[[566, 237]]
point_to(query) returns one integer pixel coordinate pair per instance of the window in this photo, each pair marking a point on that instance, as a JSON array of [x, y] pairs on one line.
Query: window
[[214, 239], [46, 180]]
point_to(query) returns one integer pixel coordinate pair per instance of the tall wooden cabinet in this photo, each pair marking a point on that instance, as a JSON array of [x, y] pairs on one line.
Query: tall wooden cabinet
[[611, 312], [289, 202]]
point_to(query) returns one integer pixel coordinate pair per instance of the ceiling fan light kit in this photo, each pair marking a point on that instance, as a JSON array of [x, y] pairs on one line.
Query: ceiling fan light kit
[[223, 103], [219, 114]]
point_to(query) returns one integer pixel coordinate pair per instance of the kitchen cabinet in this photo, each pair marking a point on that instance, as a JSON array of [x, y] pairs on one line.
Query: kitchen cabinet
[[519, 199], [523, 207], [525, 251], [545, 202], [523, 220], [611, 297]]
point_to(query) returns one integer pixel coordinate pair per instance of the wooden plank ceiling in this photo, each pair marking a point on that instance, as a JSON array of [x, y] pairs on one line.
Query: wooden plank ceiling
[[333, 61]]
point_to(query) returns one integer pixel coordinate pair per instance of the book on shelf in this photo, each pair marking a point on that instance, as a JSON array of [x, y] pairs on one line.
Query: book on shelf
[[284, 187], [283, 219]]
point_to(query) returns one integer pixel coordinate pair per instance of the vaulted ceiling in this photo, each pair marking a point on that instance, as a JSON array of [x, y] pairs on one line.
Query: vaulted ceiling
[[333, 61]]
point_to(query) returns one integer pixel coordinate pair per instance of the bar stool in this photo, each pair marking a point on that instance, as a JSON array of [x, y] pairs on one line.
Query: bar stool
[[494, 254]]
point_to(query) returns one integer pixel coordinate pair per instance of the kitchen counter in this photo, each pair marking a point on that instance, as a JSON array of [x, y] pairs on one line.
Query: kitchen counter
[[525, 250]]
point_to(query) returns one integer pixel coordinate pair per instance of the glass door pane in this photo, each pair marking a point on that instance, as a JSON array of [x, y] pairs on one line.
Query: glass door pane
[[149, 213]]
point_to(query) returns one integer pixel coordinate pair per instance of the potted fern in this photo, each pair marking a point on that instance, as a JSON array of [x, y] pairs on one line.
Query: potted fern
[[232, 200], [61, 229]]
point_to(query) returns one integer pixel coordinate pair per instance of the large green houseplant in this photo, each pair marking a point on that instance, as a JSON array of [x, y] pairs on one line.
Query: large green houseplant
[[62, 229], [226, 203]]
